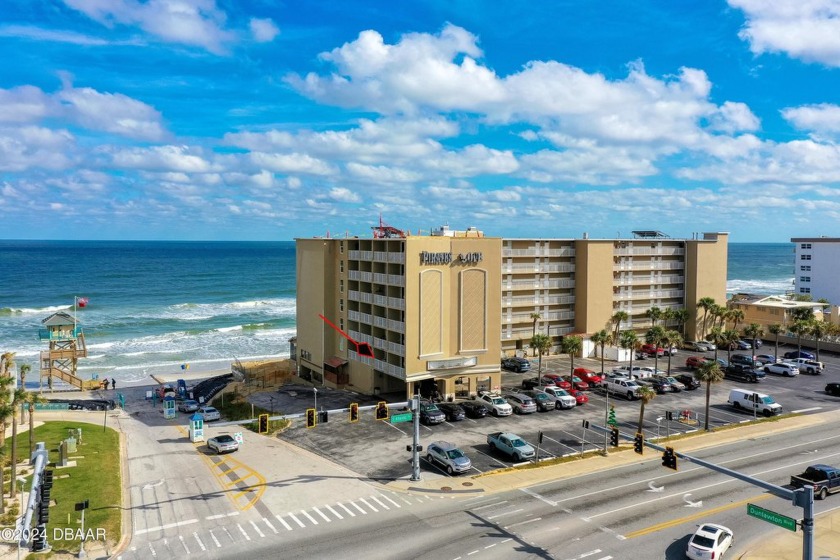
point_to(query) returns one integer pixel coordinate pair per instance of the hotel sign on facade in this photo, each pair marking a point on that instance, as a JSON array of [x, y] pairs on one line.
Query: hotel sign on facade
[[430, 258]]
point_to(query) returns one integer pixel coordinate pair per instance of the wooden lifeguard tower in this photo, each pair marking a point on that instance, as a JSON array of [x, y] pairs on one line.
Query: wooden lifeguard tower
[[67, 345]]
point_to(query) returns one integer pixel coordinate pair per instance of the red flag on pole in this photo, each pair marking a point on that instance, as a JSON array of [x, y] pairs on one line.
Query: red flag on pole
[[82, 301]]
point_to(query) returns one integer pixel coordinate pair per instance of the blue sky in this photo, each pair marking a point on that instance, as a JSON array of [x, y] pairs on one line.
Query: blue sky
[[269, 120]]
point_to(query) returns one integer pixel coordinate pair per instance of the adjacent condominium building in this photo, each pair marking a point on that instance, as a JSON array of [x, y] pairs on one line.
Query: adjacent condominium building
[[399, 313], [817, 267]]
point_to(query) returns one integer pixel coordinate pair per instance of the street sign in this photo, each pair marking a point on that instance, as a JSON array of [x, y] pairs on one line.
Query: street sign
[[772, 517], [397, 418]]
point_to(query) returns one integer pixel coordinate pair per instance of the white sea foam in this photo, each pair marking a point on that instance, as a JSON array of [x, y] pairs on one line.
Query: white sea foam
[[229, 329], [42, 310], [769, 287]]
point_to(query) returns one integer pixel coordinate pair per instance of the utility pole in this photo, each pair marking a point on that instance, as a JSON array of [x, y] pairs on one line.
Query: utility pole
[[415, 448]]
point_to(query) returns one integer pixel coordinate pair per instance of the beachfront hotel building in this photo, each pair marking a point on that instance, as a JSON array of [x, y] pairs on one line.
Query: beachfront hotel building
[[439, 310], [817, 267]]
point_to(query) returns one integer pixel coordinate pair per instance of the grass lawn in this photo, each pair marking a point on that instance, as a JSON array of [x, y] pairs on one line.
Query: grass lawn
[[96, 478]]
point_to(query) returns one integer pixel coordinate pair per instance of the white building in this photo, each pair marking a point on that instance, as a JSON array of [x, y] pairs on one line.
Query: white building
[[817, 267]]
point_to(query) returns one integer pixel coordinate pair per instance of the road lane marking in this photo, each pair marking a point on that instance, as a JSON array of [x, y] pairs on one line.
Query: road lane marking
[[347, 509], [298, 521], [168, 526], [228, 534], [378, 501], [327, 519], [215, 540], [221, 515], [281, 520], [334, 512], [368, 505], [242, 530], [537, 496], [312, 519], [152, 550], [267, 522], [490, 505], [183, 543], [201, 544], [505, 513], [257, 529]]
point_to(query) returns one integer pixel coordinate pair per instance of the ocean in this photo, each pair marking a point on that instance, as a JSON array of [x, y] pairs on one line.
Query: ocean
[[155, 307]]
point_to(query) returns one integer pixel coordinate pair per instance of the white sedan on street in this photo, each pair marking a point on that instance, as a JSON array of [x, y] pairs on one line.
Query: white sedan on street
[[709, 542]]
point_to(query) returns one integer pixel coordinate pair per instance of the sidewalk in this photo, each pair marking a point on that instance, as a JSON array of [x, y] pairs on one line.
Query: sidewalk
[[777, 544]]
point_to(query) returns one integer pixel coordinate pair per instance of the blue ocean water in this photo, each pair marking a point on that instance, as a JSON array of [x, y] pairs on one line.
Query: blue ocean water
[[154, 306]]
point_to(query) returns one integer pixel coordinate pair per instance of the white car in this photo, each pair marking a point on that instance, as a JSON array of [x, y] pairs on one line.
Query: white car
[[209, 413], [645, 372], [782, 368], [699, 345], [709, 542], [497, 405], [223, 444], [564, 398], [636, 371]]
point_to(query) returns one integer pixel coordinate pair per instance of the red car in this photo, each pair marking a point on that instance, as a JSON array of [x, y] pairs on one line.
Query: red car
[[650, 349], [550, 378], [589, 376], [578, 383], [695, 361], [579, 396]]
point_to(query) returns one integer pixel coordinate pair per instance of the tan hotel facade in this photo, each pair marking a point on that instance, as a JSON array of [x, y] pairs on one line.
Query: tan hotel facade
[[440, 310]]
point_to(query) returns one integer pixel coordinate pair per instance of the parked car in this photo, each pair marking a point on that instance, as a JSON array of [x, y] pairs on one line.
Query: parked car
[[577, 383], [676, 385], [709, 541], [554, 379], [566, 400], [474, 409], [452, 411], [519, 365], [688, 380], [649, 371], [188, 405], [699, 345], [782, 368], [651, 349], [695, 361], [626, 369], [740, 345], [522, 404], [754, 342], [511, 444], [833, 389], [723, 363], [657, 384], [496, 404], [430, 413], [765, 359], [744, 373], [592, 378], [209, 413], [742, 359], [223, 444], [811, 367], [580, 396], [799, 354], [543, 400], [448, 456]]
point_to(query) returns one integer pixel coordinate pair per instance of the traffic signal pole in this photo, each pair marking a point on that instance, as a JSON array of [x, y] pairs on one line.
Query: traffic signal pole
[[803, 497], [415, 448]]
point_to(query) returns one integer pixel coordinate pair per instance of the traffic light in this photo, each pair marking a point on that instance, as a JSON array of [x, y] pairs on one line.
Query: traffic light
[[43, 513], [669, 458], [48, 479], [614, 437], [354, 412], [612, 420], [639, 443], [382, 410], [39, 541], [311, 419], [263, 424]]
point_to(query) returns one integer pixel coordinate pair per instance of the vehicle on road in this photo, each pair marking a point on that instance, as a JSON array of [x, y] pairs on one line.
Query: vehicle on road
[[699, 345], [566, 399], [744, 373], [695, 361], [742, 359], [543, 400], [765, 359], [555, 379], [833, 389], [592, 378], [676, 385], [209, 413], [496, 404], [474, 409], [688, 380], [188, 405], [754, 342], [636, 371], [577, 383], [651, 350], [740, 345], [709, 542], [625, 387], [657, 384], [522, 404], [430, 413], [452, 411], [222, 444], [799, 354], [811, 367], [519, 365], [651, 371], [448, 456], [580, 397], [824, 478], [782, 368], [742, 399], [511, 444]]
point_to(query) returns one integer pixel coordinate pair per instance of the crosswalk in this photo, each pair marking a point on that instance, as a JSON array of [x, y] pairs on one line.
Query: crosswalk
[[209, 536]]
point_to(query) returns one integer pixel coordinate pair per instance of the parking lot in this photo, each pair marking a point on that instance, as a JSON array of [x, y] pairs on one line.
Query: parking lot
[[377, 449]]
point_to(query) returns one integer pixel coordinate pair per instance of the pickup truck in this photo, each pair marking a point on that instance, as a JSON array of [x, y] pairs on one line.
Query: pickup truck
[[626, 387], [511, 444], [824, 479]]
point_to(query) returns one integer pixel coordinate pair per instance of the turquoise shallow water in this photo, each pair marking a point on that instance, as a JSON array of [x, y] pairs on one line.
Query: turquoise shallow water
[[154, 306]]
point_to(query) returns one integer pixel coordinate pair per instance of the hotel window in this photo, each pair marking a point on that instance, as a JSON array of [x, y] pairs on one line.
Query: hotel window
[[804, 278], [341, 325], [805, 257], [805, 268], [805, 246], [341, 266], [341, 305], [341, 247], [804, 290], [341, 286]]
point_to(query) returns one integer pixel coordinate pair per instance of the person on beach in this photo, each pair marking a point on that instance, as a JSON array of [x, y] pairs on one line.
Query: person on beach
[[106, 383], [113, 384]]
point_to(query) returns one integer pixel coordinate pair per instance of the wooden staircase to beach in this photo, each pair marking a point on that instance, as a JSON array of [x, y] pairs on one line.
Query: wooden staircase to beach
[[59, 362]]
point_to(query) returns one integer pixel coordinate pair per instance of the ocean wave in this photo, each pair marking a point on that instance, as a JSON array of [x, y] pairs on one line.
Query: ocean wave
[[33, 310], [229, 329], [773, 286]]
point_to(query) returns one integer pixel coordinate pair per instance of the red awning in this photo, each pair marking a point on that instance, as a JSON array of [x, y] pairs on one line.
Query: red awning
[[335, 362]]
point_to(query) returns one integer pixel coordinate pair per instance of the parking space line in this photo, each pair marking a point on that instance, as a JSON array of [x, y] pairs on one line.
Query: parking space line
[[183, 543], [327, 519], [298, 521], [200, 544], [257, 529], [242, 530], [390, 500], [312, 519], [378, 501], [368, 505], [215, 540], [355, 505], [267, 522], [345, 508], [281, 520], [399, 430]]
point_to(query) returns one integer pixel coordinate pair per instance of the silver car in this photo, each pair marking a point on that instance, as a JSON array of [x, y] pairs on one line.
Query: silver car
[[521, 404], [223, 444], [210, 413], [448, 456]]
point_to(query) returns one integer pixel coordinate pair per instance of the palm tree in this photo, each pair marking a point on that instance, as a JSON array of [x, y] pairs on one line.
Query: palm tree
[[7, 362], [535, 317], [705, 304], [818, 330], [24, 369], [670, 340], [715, 336], [31, 400], [736, 316], [17, 398], [6, 409], [776, 329], [753, 331], [799, 328], [654, 314], [730, 337], [618, 318], [646, 394], [542, 344], [654, 336], [629, 341], [601, 338], [681, 316], [571, 345], [709, 372]]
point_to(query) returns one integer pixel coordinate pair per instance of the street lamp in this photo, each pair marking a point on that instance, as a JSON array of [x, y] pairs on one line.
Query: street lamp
[[271, 400]]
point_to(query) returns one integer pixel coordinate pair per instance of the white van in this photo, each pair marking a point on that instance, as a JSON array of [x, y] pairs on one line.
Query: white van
[[743, 399]]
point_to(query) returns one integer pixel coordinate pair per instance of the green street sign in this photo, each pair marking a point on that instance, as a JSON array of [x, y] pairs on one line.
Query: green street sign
[[397, 418], [772, 517]]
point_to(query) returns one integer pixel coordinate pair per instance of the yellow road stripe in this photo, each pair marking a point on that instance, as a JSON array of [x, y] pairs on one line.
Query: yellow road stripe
[[703, 513]]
